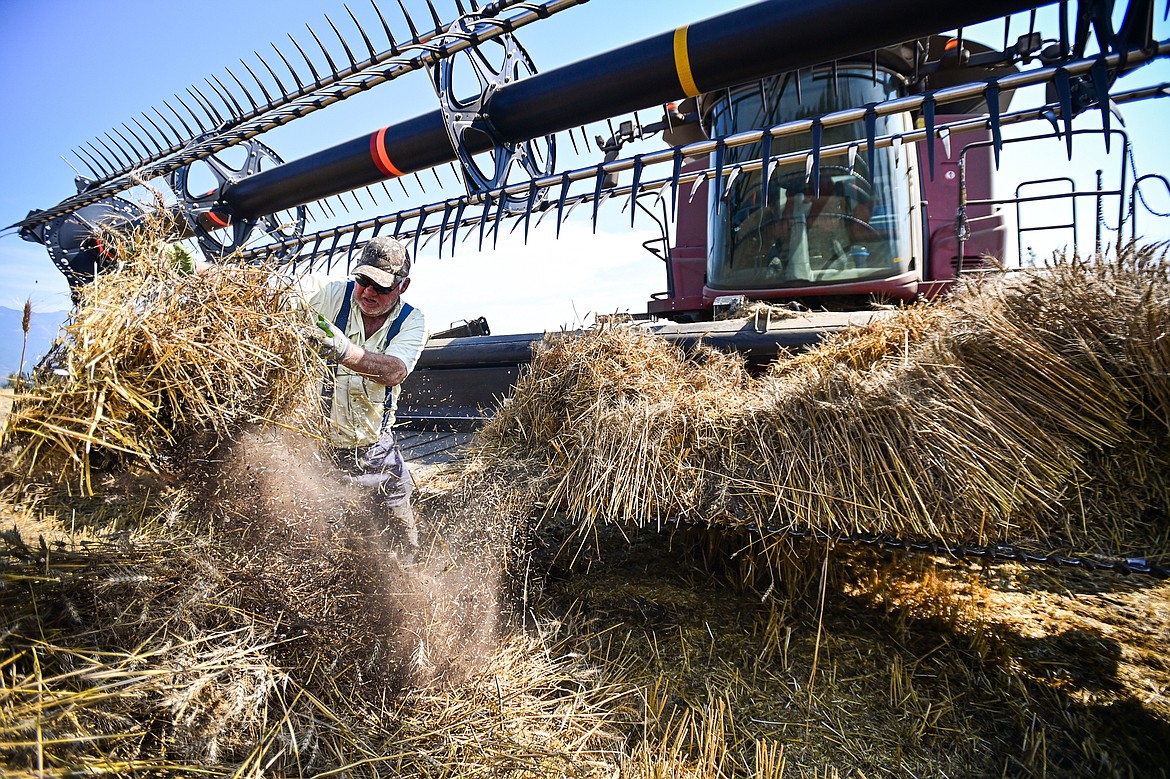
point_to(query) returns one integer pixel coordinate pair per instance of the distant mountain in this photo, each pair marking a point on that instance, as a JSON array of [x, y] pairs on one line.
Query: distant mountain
[[42, 331]]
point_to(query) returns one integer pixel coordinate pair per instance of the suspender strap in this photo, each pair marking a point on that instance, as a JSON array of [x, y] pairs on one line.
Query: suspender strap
[[339, 323], [391, 334]]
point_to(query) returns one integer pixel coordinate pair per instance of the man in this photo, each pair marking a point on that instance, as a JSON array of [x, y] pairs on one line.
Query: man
[[374, 338]]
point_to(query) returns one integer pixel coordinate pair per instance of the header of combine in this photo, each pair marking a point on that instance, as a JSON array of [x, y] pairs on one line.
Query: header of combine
[[501, 131]]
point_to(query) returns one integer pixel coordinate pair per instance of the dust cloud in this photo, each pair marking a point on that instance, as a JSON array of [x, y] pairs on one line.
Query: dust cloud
[[318, 555]]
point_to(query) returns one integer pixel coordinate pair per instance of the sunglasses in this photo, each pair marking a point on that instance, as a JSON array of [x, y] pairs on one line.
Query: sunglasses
[[365, 282]]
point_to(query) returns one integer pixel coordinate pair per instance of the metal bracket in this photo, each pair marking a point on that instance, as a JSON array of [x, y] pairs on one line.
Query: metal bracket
[[218, 233], [467, 120]]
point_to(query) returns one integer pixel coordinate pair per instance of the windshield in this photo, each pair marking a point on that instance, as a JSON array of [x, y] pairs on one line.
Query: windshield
[[855, 228]]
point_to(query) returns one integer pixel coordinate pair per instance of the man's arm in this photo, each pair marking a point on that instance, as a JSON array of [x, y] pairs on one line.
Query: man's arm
[[385, 369], [392, 367]]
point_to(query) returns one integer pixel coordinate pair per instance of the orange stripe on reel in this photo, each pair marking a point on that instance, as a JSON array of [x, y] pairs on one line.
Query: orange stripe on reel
[[378, 153], [219, 220]]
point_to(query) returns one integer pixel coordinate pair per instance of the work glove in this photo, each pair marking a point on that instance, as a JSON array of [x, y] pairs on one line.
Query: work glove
[[332, 342], [181, 260]]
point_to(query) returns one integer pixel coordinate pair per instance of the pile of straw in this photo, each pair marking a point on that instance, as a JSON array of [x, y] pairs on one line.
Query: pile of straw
[[163, 655], [629, 424], [1031, 407], [152, 356]]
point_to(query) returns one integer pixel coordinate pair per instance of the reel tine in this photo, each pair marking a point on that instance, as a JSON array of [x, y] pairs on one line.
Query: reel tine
[[166, 140], [597, 194], [247, 94], [272, 73], [402, 184], [297, 78], [190, 133], [435, 173], [637, 179], [528, 208], [443, 227], [212, 115], [259, 83], [409, 22], [118, 159], [483, 217], [93, 173], [110, 168], [1064, 93], [365, 38], [386, 190], [309, 62], [145, 149], [459, 209], [167, 122], [158, 146], [328, 59], [418, 230], [499, 220], [101, 167], [695, 186], [117, 151], [194, 115], [736, 170], [561, 201], [439, 26], [418, 181], [386, 29], [228, 98], [461, 9], [209, 105], [350, 249], [991, 93], [573, 140], [128, 150], [344, 45]]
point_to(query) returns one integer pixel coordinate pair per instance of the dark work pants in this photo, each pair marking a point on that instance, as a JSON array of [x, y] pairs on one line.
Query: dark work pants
[[381, 466]]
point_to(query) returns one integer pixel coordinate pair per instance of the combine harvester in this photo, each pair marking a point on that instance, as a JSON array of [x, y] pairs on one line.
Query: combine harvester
[[808, 163]]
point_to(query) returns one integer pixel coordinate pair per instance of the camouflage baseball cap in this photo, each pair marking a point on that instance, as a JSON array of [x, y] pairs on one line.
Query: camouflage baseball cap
[[384, 261]]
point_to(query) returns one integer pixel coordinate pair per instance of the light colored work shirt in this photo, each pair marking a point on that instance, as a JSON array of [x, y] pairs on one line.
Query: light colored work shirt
[[358, 409]]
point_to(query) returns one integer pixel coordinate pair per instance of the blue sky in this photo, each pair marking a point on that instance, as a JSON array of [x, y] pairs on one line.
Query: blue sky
[[74, 70]]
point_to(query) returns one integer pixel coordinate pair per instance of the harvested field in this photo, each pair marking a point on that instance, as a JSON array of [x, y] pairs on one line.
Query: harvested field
[[610, 584]]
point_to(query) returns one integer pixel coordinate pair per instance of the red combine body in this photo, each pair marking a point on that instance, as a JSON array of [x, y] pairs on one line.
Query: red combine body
[[868, 229]]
